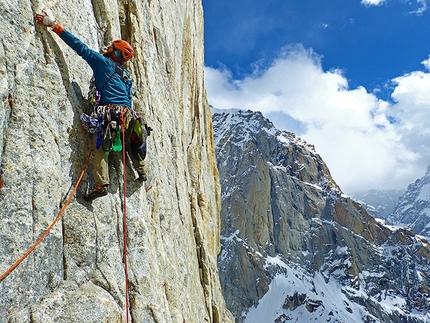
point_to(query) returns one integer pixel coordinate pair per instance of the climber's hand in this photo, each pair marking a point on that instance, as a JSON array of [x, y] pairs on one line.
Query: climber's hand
[[45, 20]]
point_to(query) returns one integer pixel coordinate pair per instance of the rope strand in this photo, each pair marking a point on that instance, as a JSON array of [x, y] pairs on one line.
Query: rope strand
[[124, 223], [20, 260]]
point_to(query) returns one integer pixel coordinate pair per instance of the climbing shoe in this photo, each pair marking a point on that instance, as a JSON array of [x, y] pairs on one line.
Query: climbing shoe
[[96, 193]]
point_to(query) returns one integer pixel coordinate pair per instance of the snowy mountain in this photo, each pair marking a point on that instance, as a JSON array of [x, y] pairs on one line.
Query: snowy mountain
[[295, 249], [379, 203], [413, 208]]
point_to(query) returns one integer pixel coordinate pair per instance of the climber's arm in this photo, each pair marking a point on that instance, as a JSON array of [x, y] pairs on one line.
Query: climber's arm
[[89, 55]]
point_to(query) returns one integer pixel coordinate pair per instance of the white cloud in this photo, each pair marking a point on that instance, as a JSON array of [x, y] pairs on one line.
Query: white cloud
[[426, 63], [372, 2], [422, 3], [352, 129], [420, 10]]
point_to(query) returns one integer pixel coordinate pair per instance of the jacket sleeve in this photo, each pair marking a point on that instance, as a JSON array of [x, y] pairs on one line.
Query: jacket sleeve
[[92, 57]]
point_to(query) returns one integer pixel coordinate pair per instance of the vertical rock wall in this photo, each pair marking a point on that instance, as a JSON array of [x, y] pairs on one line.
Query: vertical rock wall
[[76, 274]]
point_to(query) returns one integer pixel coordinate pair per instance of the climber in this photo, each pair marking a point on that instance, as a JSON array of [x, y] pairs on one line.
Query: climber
[[115, 87]]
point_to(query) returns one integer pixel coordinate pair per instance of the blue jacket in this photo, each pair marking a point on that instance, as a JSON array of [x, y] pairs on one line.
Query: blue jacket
[[116, 90]]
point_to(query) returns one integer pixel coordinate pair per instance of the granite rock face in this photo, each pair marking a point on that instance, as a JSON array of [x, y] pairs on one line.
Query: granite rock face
[[413, 207], [77, 274], [294, 248]]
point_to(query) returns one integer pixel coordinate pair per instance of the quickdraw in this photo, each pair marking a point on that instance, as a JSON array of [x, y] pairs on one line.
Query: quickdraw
[[104, 121]]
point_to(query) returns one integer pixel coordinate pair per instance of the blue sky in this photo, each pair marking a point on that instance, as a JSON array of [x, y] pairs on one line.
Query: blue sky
[[349, 76]]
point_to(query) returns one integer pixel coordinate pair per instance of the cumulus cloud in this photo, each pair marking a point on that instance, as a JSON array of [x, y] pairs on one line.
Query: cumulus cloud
[[366, 142]]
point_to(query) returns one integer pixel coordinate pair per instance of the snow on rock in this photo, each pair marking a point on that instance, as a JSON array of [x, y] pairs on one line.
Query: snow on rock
[[295, 248], [413, 208]]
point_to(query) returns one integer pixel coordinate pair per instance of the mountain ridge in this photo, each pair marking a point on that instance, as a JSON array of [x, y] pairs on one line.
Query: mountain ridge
[[413, 208], [379, 203], [284, 217]]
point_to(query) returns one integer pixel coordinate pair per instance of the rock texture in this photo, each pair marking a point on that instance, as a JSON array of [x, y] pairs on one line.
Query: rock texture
[[290, 237], [77, 274], [413, 208]]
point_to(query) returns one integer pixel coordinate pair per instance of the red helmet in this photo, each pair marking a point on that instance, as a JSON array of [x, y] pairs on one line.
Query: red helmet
[[125, 48]]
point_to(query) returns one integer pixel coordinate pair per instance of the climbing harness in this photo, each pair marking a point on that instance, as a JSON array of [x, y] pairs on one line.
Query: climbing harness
[[20, 260], [104, 121]]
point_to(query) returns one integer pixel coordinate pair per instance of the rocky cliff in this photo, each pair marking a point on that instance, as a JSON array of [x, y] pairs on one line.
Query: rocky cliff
[[413, 208], [77, 274], [295, 249]]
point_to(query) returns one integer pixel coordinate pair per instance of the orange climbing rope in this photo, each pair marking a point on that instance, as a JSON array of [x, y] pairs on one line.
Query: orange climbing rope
[[7, 272], [124, 221]]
